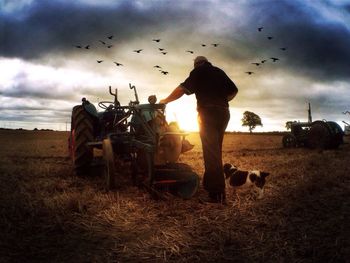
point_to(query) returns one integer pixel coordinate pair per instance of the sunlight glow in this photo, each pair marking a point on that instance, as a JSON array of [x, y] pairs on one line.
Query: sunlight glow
[[184, 112]]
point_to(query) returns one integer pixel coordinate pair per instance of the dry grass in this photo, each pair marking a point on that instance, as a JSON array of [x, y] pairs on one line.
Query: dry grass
[[49, 215]]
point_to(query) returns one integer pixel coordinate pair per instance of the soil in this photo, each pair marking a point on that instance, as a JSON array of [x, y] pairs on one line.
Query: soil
[[47, 214]]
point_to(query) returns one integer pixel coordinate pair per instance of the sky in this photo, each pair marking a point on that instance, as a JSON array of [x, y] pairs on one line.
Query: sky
[[43, 74]]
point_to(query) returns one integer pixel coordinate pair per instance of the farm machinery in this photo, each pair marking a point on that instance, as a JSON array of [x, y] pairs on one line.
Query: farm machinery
[[346, 128], [135, 140], [347, 125], [319, 134]]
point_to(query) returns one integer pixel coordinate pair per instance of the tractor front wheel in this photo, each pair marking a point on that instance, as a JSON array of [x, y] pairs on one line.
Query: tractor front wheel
[[289, 141], [109, 169]]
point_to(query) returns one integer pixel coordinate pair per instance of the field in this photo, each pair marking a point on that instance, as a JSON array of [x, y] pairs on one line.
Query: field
[[49, 215]]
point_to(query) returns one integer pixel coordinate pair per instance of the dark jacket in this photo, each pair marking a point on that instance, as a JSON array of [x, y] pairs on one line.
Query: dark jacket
[[210, 85]]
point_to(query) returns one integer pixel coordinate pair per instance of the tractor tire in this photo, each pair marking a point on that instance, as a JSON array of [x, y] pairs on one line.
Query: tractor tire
[[320, 136], [109, 169], [82, 132], [289, 141], [337, 134]]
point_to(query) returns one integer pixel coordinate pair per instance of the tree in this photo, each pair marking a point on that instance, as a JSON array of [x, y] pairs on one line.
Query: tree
[[251, 120]]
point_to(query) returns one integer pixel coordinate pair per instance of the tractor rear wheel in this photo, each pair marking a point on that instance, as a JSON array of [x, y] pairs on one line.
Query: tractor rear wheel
[[82, 131], [289, 141], [337, 134], [319, 136]]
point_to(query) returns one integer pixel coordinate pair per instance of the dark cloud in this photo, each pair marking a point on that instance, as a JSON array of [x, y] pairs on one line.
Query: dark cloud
[[317, 47], [23, 87], [56, 26], [347, 8], [65, 111], [24, 108], [45, 116]]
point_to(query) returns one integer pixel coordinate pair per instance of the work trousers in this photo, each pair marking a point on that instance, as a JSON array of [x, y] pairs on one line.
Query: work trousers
[[212, 124]]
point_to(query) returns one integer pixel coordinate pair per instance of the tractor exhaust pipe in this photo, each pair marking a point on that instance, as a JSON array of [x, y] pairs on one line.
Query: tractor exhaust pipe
[[115, 94], [136, 96], [309, 114]]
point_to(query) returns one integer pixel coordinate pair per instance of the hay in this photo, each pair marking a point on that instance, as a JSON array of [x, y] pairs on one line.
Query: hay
[[49, 215]]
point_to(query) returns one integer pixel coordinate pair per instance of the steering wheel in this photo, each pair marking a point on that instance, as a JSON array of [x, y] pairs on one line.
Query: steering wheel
[[105, 104]]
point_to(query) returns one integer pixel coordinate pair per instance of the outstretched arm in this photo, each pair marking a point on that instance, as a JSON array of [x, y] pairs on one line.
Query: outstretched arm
[[174, 95]]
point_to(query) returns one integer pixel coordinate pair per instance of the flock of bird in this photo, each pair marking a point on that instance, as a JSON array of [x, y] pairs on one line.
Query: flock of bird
[[107, 44], [163, 51], [261, 62]]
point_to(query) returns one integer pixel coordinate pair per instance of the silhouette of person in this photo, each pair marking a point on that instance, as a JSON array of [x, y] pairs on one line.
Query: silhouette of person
[[213, 90]]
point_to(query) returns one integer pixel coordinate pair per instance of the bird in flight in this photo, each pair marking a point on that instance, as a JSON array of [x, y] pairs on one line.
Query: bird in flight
[[263, 61], [164, 53], [161, 49], [156, 66], [109, 46], [269, 38], [250, 72], [138, 50], [274, 59], [164, 72], [156, 40], [260, 29], [87, 47], [190, 51], [110, 37], [346, 112], [203, 45], [215, 44], [104, 43], [283, 48], [118, 64], [78, 46], [256, 64], [99, 61]]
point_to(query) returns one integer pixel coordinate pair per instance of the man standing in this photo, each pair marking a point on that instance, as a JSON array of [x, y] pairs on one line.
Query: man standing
[[213, 90]]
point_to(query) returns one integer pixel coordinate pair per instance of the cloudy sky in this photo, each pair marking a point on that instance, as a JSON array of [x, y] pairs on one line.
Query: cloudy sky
[[43, 74]]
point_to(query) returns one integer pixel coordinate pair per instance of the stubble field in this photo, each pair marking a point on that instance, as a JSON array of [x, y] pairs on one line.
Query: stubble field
[[47, 214]]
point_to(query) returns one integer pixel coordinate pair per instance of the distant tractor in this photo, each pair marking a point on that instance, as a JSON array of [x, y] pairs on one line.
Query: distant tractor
[[134, 139], [347, 125], [319, 134], [346, 128]]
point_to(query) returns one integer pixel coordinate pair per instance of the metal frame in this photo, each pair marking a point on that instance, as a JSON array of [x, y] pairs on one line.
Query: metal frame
[[130, 142]]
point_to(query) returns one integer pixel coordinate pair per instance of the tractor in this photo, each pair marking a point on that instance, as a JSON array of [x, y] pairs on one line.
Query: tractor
[[135, 140], [319, 134]]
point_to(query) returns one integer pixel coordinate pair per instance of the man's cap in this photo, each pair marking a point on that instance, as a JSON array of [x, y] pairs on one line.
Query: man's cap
[[199, 60]]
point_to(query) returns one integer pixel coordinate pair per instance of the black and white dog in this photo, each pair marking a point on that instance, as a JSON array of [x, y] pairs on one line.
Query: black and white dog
[[239, 178]]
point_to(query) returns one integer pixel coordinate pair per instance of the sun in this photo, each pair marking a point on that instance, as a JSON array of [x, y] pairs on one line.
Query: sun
[[189, 121], [184, 113]]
